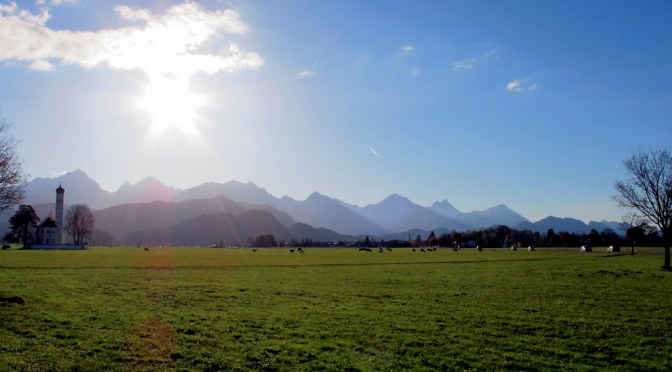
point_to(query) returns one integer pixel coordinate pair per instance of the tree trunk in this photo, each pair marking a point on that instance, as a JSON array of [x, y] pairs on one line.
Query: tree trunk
[[667, 257]]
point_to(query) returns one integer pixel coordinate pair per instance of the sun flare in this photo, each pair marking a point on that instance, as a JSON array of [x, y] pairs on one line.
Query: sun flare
[[171, 105]]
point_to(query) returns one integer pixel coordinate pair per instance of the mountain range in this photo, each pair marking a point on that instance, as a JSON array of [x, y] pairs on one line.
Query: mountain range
[[150, 205]]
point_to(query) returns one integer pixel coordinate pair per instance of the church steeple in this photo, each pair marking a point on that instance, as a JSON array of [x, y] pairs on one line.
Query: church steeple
[[60, 193]]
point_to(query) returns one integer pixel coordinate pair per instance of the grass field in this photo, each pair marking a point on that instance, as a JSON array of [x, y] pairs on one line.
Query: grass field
[[333, 309]]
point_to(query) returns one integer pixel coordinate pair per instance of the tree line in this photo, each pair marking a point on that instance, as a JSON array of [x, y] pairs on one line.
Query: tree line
[[23, 225], [500, 236]]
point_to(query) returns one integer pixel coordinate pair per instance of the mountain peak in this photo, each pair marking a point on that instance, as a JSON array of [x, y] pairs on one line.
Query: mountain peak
[[148, 180], [444, 208], [124, 186], [396, 198]]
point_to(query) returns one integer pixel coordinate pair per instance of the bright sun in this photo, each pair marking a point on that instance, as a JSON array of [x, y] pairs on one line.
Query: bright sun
[[171, 105]]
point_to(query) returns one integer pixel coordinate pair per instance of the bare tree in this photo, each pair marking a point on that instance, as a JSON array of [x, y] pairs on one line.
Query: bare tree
[[79, 222], [12, 177], [649, 191]]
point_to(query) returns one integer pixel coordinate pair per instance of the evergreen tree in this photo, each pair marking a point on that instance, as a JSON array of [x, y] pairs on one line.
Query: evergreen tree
[[23, 225]]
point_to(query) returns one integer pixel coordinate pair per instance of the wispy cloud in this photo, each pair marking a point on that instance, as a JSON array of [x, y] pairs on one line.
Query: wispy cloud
[[416, 71], [408, 48], [172, 42], [374, 152], [470, 63], [521, 85], [464, 64], [55, 2], [306, 73]]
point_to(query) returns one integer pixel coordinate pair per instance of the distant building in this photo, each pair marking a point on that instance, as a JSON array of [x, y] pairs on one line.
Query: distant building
[[60, 193], [49, 233]]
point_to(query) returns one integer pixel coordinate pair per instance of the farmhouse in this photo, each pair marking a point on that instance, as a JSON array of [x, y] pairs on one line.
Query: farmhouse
[[49, 233]]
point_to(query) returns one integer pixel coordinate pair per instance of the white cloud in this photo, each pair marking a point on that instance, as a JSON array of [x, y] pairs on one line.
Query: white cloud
[[7, 8], [41, 65], [374, 152], [408, 48], [416, 71], [520, 85], [515, 86], [130, 14], [168, 43], [306, 73]]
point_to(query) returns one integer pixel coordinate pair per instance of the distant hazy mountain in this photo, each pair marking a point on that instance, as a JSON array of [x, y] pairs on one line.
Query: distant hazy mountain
[[321, 211], [232, 229], [601, 226], [499, 215], [392, 215], [234, 190], [397, 213], [567, 224], [444, 208], [123, 219], [148, 189], [82, 189], [79, 188], [317, 210]]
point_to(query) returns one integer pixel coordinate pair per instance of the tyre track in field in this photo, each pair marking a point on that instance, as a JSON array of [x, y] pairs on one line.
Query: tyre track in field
[[151, 342], [206, 267]]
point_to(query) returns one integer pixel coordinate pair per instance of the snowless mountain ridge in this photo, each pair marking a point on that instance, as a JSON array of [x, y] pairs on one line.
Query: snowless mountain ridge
[[392, 215]]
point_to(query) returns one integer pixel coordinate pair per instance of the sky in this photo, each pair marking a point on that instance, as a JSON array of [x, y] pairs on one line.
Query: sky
[[532, 104]]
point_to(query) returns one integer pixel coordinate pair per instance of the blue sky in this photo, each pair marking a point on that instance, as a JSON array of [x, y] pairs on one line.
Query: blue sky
[[533, 104]]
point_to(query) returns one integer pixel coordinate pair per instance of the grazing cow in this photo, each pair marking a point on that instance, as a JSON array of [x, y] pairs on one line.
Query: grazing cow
[[254, 250], [422, 249], [514, 248], [586, 248], [291, 251], [413, 249], [613, 248], [455, 249], [531, 248], [147, 248], [380, 250], [389, 249], [478, 248]]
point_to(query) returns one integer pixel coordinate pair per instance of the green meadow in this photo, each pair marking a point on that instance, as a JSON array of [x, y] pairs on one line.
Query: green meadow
[[119, 309]]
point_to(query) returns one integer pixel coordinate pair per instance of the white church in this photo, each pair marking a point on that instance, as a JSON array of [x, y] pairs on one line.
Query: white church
[[49, 233]]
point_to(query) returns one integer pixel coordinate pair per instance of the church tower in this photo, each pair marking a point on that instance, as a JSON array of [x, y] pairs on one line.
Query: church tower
[[60, 192]]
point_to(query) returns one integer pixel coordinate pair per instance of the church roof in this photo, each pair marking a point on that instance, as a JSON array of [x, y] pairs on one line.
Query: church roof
[[60, 189], [48, 222]]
